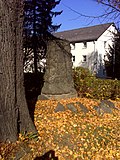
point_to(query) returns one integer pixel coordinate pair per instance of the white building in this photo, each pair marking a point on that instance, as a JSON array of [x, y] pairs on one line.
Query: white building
[[89, 46]]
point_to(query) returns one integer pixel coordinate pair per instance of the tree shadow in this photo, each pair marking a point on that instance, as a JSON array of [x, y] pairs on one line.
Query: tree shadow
[[33, 85], [50, 155]]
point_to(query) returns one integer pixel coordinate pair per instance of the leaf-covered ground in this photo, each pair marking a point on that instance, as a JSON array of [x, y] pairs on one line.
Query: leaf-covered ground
[[73, 136]]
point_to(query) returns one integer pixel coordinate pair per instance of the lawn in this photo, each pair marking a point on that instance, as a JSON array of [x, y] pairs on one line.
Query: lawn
[[71, 135]]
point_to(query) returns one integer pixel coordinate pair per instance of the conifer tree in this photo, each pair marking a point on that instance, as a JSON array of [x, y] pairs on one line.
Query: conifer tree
[[38, 25]]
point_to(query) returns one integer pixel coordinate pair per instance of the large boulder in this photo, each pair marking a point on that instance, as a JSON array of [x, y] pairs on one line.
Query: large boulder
[[58, 79]]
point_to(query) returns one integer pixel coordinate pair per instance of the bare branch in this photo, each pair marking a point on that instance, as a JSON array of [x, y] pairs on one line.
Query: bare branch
[[87, 16], [112, 12], [113, 5]]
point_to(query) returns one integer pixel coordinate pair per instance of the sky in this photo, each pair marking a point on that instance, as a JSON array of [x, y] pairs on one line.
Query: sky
[[71, 19]]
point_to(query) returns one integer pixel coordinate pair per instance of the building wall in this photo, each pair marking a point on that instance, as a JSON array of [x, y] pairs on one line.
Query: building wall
[[91, 55]]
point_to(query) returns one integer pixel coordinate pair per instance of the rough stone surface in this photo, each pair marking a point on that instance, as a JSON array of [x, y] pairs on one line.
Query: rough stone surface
[[109, 103], [71, 107], [42, 97], [59, 108], [59, 96], [82, 107], [58, 76], [98, 110], [106, 108]]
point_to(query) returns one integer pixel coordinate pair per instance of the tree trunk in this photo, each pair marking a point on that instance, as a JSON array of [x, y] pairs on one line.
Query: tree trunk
[[14, 114]]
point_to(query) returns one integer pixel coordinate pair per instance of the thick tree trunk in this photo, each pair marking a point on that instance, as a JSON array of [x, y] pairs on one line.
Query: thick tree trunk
[[14, 114]]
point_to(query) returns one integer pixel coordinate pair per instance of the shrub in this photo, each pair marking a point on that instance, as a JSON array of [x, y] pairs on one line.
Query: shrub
[[87, 85]]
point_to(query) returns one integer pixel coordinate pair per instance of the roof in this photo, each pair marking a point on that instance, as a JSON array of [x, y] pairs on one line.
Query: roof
[[83, 34]]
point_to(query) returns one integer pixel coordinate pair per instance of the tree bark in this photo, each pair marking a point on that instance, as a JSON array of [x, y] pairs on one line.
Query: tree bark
[[14, 114]]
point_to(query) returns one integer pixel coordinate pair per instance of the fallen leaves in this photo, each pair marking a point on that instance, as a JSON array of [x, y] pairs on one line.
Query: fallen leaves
[[75, 136]]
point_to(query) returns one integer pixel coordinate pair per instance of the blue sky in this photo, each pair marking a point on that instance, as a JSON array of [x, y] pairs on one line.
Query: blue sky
[[72, 20]]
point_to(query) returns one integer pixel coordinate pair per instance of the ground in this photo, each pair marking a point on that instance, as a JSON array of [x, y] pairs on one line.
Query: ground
[[71, 135]]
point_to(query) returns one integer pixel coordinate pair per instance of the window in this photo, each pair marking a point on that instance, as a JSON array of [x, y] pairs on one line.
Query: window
[[105, 44], [84, 44], [73, 58], [84, 58]]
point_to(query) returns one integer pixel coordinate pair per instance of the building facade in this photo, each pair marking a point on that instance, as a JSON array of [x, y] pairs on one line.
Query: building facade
[[89, 46]]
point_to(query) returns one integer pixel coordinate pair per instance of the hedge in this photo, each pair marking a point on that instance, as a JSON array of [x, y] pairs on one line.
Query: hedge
[[87, 85]]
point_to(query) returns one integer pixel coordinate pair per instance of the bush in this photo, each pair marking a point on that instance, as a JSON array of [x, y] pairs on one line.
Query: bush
[[87, 85]]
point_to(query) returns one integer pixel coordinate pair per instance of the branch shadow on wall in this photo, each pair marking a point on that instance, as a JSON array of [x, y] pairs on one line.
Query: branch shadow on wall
[[33, 84], [95, 64]]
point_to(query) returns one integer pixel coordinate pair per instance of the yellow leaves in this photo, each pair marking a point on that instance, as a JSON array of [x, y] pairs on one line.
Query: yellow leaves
[[93, 149], [83, 126], [75, 136], [74, 125], [98, 157], [78, 136], [85, 145], [71, 153]]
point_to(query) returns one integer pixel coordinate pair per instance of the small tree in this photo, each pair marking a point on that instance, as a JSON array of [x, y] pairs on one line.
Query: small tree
[[113, 63], [14, 114]]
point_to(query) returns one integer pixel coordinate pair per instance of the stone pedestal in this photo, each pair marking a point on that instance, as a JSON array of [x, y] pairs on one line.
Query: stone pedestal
[[58, 76]]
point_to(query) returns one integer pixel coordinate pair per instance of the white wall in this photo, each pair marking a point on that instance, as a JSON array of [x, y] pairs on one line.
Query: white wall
[[105, 40], [95, 52]]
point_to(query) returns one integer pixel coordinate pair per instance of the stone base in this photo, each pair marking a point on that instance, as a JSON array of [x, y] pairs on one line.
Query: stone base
[[57, 97]]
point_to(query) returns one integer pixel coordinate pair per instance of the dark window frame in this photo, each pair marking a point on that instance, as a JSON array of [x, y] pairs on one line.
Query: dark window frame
[[85, 44], [73, 58], [84, 58]]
